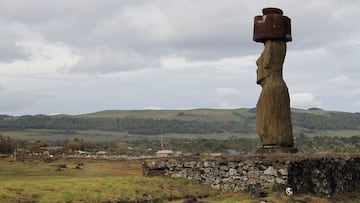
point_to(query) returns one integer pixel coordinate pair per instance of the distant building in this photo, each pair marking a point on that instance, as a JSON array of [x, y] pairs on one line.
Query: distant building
[[40, 152], [210, 154], [80, 152], [101, 153], [164, 153]]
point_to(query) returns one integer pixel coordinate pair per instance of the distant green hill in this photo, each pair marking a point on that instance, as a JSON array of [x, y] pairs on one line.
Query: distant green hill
[[196, 114], [214, 122]]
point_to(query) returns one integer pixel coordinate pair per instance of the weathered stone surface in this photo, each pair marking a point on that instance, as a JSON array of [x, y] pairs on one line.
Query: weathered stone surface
[[273, 122], [272, 25], [276, 149], [270, 180], [322, 176], [233, 175], [232, 172], [190, 164], [283, 171], [280, 181], [270, 171], [325, 176], [216, 186]]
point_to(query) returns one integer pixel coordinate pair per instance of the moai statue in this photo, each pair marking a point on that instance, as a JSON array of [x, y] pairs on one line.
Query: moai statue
[[273, 122]]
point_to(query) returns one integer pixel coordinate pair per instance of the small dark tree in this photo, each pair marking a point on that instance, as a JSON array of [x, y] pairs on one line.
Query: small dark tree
[[7, 145]]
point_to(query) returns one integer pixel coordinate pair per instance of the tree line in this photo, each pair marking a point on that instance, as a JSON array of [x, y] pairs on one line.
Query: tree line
[[330, 121], [150, 146], [130, 125], [150, 126]]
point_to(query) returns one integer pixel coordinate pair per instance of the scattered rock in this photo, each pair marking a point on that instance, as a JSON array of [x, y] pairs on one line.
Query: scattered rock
[[232, 172], [270, 171], [283, 171], [280, 181]]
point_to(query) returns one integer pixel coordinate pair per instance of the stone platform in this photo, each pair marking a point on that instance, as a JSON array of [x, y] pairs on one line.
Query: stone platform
[[320, 174], [276, 149]]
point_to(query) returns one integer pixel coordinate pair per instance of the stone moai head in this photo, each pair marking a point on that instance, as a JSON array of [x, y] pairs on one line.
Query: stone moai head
[[272, 25]]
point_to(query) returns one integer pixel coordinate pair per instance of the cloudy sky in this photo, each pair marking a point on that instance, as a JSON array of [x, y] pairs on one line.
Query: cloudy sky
[[66, 56]]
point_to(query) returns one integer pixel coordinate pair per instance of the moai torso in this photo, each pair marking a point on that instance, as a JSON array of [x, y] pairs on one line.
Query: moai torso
[[271, 60]]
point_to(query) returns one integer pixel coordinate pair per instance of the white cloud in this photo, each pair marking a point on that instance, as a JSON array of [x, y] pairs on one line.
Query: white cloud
[[304, 100], [16, 101], [357, 103], [345, 86], [104, 60], [343, 53], [9, 49], [343, 81], [228, 97], [227, 92], [145, 21], [227, 105], [44, 57], [242, 64]]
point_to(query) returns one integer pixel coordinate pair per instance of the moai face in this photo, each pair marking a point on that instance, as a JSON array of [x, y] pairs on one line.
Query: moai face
[[272, 25]]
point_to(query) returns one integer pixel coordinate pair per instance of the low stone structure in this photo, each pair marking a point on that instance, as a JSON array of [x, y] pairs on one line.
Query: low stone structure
[[325, 176], [320, 175]]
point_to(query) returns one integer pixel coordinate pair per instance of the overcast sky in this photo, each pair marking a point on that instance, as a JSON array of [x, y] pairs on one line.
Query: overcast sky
[[66, 56]]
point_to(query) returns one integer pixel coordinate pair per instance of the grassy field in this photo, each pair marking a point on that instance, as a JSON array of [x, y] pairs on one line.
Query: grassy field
[[53, 135], [116, 181], [101, 136], [95, 181], [104, 189]]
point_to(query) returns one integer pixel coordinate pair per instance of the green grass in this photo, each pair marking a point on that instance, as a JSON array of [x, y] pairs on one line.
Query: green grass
[[101, 136], [97, 181], [217, 136], [54, 135], [97, 189]]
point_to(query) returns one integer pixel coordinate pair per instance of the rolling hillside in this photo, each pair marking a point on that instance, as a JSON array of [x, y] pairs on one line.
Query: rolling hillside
[[204, 123]]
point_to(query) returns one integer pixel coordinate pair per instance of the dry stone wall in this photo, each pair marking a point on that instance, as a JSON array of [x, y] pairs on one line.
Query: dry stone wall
[[322, 176], [325, 176]]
